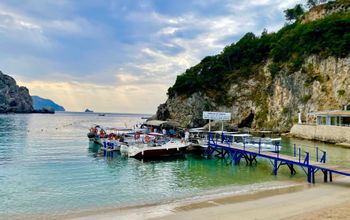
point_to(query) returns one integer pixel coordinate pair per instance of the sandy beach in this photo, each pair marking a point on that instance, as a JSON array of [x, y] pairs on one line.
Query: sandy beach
[[300, 201]]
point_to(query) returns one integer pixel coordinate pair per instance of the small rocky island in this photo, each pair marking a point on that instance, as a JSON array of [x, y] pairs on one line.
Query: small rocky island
[[14, 98]]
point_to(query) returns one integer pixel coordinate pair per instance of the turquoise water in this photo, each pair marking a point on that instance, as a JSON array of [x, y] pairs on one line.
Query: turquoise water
[[46, 168]]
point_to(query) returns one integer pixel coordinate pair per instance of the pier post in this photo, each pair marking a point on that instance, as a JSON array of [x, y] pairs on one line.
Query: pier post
[[295, 150], [325, 175], [316, 154], [275, 167], [299, 153], [291, 168], [330, 176]]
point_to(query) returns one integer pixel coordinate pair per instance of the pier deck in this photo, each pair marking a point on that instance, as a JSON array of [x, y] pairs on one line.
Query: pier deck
[[225, 148]]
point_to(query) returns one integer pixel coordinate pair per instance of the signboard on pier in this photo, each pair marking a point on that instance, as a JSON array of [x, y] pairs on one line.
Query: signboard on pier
[[217, 116]]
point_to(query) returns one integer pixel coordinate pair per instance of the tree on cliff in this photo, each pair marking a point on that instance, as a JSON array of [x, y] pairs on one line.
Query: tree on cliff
[[295, 13]]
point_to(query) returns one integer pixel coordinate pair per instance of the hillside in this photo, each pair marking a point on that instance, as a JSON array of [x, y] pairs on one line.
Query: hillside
[[264, 81], [13, 98], [41, 103]]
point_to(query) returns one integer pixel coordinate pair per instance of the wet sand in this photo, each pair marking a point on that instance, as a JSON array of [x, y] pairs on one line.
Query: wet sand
[[300, 201], [287, 201], [322, 201]]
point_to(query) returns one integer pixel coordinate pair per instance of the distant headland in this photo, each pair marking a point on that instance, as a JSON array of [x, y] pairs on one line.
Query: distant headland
[[16, 99], [40, 103]]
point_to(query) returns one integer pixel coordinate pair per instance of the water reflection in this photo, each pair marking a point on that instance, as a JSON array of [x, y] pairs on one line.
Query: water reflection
[[335, 154], [13, 133]]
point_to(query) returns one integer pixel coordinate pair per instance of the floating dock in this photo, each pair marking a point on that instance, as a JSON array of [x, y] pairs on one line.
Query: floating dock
[[222, 146]]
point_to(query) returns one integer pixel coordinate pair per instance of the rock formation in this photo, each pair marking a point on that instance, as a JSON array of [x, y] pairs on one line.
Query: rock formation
[[313, 81], [14, 98]]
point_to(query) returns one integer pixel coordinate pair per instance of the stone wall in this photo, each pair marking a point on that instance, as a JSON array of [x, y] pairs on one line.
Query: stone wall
[[331, 134]]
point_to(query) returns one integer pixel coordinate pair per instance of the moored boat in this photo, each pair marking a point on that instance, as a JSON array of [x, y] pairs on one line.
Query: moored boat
[[248, 141], [174, 147]]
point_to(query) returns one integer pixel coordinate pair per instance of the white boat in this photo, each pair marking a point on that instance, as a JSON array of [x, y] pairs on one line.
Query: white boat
[[199, 137], [156, 149], [248, 141]]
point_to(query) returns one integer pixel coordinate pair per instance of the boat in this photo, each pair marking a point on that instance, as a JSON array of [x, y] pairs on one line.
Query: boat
[[154, 146], [172, 148], [199, 138], [101, 114], [248, 141]]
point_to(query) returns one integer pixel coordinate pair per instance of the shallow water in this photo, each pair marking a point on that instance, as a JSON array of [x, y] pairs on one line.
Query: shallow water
[[46, 168]]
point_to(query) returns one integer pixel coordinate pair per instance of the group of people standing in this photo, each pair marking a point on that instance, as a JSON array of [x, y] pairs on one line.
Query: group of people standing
[[185, 135], [165, 132]]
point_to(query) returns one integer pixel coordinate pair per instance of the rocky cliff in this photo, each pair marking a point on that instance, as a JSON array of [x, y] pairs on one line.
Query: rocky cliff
[[265, 103], [13, 98], [301, 68]]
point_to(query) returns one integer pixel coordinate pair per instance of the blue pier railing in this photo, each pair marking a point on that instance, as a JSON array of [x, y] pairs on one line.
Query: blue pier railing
[[223, 146]]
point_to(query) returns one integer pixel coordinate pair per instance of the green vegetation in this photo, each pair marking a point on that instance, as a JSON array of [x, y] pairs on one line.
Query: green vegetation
[[286, 110], [294, 13], [341, 92], [287, 48], [305, 99]]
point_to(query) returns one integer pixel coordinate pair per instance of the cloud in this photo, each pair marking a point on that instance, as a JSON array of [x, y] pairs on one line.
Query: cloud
[[70, 50], [78, 96]]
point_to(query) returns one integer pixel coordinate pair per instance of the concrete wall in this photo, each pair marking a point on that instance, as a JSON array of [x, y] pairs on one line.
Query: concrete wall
[[332, 134]]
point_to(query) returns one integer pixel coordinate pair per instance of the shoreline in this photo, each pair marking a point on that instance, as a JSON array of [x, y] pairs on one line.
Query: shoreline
[[292, 201], [284, 200], [315, 202], [158, 209], [191, 203]]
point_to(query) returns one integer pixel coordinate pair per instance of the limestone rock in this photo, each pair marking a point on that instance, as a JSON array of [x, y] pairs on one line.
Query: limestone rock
[[14, 98], [265, 103]]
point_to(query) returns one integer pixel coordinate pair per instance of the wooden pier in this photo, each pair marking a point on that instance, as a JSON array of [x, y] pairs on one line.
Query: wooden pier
[[223, 147]]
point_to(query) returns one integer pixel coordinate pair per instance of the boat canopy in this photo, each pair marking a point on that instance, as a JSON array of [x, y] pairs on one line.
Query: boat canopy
[[159, 123], [201, 129], [240, 135]]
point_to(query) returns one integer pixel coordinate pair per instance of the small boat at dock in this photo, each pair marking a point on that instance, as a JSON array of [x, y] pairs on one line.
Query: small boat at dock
[[158, 150]]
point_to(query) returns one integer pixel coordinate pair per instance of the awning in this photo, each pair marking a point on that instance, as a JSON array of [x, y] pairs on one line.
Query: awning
[[159, 123], [331, 113]]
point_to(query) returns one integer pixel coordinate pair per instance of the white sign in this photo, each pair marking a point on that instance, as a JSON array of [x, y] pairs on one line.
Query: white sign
[[219, 116]]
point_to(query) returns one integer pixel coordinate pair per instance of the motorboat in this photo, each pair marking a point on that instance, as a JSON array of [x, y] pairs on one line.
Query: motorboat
[[248, 141], [156, 146], [199, 138]]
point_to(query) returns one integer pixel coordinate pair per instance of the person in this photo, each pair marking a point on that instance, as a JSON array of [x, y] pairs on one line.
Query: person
[[187, 135], [171, 132], [155, 130], [164, 132]]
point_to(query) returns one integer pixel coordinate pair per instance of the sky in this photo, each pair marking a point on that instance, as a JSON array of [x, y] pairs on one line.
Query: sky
[[120, 55]]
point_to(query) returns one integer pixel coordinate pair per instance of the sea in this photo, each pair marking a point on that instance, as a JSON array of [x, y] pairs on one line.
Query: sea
[[48, 168]]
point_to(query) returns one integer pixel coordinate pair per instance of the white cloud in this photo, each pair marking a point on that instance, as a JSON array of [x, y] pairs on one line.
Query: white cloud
[[134, 60], [77, 96], [11, 21]]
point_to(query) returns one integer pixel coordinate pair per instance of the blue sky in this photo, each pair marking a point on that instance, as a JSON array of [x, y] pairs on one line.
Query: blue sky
[[122, 55]]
